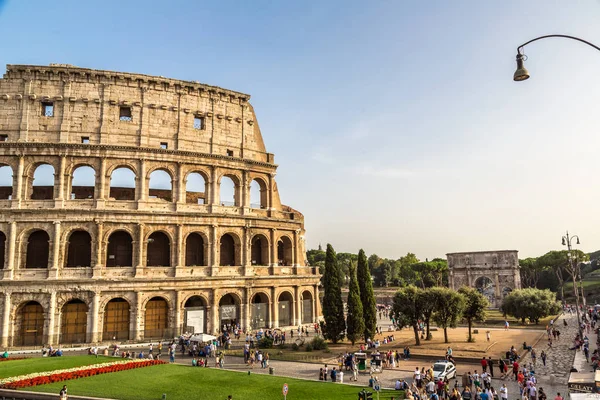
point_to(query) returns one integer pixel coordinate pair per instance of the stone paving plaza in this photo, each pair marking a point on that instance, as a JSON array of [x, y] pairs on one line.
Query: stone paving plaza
[[553, 377]]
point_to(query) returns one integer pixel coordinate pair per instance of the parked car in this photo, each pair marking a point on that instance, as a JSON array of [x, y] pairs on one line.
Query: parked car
[[443, 369]]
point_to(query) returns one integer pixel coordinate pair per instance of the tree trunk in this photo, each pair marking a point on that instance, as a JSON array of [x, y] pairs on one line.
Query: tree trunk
[[428, 335], [417, 339], [445, 335], [470, 325]]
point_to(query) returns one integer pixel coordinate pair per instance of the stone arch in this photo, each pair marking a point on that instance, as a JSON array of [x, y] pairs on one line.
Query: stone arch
[[29, 324], [196, 248], [156, 318], [229, 311], [285, 251], [79, 251], [119, 251], [6, 182], [158, 249], [259, 310], [73, 321], [158, 187], [285, 306], [82, 182], [307, 306], [485, 286], [259, 193], [229, 250], [42, 182], [116, 319], [195, 307], [197, 187], [38, 249], [122, 182], [229, 190], [259, 250]]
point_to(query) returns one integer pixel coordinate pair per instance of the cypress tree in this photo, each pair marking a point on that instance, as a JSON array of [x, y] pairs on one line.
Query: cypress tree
[[355, 321], [333, 307], [367, 297]]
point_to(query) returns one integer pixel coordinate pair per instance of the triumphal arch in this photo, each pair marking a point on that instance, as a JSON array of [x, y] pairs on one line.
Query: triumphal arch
[[137, 207], [492, 273]]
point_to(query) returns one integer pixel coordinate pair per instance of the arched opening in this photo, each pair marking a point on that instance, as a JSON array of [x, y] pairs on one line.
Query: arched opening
[[73, 322], [43, 183], [2, 249], [195, 315], [506, 291], [228, 312], [196, 189], [156, 319], [79, 253], [116, 320], [6, 182], [227, 250], [228, 192], [160, 186], [194, 250], [122, 184], [307, 307], [83, 183], [159, 250], [285, 304], [284, 251], [258, 194], [259, 311], [31, 320], [38, 250], [260, 250], [119, 252], [485, 286]]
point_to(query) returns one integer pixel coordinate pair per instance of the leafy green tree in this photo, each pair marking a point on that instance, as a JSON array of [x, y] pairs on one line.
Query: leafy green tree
[[367, 297], [374, 263], [530, 303], [449, 306], [475, 307], [315, 256], [530, 271], [344, 261], [428, 303], [355, 321], [407, 309], [333, 306]]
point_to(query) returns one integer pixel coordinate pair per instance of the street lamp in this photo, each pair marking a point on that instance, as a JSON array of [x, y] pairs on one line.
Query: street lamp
[[521, 73], [566, 240]]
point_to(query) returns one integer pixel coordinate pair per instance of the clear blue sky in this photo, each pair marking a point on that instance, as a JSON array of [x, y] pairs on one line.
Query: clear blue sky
[[396, 124]]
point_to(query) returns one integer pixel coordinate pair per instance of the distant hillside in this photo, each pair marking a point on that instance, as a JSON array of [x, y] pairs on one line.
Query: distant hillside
[[595, 255]]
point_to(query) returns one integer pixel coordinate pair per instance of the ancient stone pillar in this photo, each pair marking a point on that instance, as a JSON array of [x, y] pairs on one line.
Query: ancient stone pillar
[[137, 316], [214, 312], [18, 194], [273, 249], [52, 319], [53, 271], [177, 308], [95, 309], [246, 320], [275, 309], [139, 267], [12, 244], [6, 321], [101, 195], [316, 303], [98, 267], [142, 189], [179, 252], [298, 306], [60, 196], [214, 250]]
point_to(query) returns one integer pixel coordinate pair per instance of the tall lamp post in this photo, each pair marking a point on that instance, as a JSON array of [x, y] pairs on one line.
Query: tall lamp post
[[521, 73], [566, 240]]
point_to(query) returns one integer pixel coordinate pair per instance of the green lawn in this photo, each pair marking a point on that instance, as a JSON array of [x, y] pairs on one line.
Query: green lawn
[[588, 283], [496, 319], [29, 365], [180, 382]]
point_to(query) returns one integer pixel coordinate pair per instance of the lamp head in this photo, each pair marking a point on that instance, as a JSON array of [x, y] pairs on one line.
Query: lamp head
[[563, 241], [521, 73], [578, 240]]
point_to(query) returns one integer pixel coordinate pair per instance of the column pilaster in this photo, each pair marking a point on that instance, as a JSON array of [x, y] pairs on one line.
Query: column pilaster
[[99, 267], [142, 190], [214, 312], [12, 244], [178, 314], [246, 309], [52, 319], [95, 334], [274, 261], [139, 268], [6, 321], [18, 193], [53, 271], [60, 196], [275, 308], [180, 253], [101, 195], [214, 262]]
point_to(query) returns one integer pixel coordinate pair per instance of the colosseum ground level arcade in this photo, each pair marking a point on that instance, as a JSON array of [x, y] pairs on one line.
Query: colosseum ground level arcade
[[77, 316]]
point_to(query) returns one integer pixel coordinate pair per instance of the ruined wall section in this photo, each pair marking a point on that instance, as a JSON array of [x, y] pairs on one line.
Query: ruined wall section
[[87, 104]]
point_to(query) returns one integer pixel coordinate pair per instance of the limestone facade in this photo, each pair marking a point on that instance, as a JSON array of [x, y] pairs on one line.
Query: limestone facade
[[493, 273], [103, 261]]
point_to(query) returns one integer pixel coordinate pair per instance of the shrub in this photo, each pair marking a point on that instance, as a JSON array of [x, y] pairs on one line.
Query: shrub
[[318, 343], [283, 346], [295, 347], [309, 347], [265, 343]]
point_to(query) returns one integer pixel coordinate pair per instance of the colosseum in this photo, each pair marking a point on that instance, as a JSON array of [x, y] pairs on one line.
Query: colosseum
[[136, 207]]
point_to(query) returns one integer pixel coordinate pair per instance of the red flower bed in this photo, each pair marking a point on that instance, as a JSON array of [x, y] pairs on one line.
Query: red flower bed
[[13, 358], [65, 376]]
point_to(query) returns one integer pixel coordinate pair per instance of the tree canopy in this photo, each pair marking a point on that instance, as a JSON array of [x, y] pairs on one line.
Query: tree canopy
[[355, 321], [333, 306], [530, 303], [475, 307]]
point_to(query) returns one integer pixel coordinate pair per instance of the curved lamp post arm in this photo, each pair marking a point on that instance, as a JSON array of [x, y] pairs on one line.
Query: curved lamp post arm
[[521, 73], [561, 36]]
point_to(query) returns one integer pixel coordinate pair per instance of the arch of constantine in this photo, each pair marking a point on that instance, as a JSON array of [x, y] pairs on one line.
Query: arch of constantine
[[136, 207], [493, 273]]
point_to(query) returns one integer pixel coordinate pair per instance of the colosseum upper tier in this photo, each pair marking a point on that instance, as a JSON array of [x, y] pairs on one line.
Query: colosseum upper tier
[[137, 207]]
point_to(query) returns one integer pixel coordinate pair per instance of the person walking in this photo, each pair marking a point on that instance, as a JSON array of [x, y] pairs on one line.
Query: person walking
[[504, 392], [484, 364], [63, 393], [490, 364], [543, 357]]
